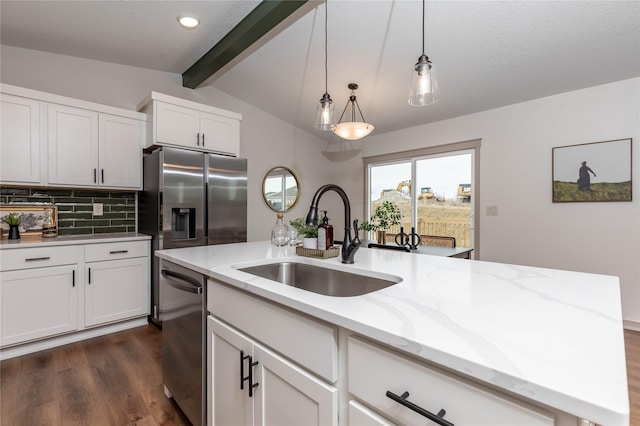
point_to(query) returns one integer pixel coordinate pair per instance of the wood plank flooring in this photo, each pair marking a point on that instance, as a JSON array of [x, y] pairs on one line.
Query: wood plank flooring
[[117, 380], [109, 380]]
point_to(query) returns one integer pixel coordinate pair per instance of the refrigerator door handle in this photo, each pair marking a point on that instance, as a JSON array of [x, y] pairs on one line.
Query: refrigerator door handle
[[177, 280]]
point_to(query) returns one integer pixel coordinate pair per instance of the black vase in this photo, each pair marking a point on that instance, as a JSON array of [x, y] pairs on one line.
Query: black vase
[[14, 232]]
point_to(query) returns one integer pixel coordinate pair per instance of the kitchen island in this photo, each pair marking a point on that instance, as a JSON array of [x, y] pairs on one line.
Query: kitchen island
[[549, 338]]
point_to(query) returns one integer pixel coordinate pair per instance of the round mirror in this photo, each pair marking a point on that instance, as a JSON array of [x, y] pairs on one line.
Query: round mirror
[[280, 189]]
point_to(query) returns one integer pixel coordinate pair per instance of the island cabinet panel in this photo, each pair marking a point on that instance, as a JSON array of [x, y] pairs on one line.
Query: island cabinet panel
[[20, 140], [38, 303], [374, 371], [311, 343], [252, 385]]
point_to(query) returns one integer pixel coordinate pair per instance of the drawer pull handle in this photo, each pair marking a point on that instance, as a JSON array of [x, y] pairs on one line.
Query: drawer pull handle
[[402, 399], [119, 251], [34, 259]]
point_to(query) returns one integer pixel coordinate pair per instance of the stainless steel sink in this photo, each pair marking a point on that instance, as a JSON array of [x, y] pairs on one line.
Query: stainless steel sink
[[329, 282]]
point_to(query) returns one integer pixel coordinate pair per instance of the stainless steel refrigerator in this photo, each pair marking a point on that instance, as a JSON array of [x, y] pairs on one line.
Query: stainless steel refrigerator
[[189, 199]]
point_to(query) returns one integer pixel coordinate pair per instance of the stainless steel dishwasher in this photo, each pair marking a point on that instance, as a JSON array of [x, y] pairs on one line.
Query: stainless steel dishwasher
[[183, 316]]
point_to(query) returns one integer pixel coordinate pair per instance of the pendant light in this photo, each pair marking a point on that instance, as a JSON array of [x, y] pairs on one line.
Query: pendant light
[[424, 87], [324, 111], [352, 130]]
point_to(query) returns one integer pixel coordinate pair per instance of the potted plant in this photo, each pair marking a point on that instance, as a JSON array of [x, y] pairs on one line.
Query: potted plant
[[309, 233], [13, 220], [387, 214]]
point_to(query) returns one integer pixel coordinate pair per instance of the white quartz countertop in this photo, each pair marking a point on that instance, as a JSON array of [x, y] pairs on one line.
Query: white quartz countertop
[[65, 240], [552, 336]]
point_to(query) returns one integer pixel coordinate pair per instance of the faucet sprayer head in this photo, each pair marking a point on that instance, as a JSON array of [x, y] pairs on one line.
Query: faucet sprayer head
[[312, 216]]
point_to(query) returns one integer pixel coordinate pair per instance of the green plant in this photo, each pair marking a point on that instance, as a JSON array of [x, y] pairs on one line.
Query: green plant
[[11, 219], [303, 229], [385, 215]]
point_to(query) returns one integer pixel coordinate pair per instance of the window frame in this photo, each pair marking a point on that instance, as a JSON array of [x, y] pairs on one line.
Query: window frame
[[415, 154]]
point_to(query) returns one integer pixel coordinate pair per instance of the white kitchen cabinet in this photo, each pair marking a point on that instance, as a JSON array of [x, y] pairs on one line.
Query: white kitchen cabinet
[[120, 151], [52, 140], [252, 385], [90, 149], [72, 146], [117, 282], [20, 140], [375, 373], [38, 293], [56, 294], [181, 123]]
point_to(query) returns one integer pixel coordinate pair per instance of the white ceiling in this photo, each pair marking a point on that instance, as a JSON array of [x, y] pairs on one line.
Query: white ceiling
[[487, 53]]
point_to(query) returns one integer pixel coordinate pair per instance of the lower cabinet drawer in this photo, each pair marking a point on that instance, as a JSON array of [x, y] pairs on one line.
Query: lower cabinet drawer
[[309, 343], [38, 257], [374, 371], [112, 251]]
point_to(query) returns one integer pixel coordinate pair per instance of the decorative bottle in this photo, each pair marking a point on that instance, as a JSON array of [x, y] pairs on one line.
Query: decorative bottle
[[325, 234], [279, 233]]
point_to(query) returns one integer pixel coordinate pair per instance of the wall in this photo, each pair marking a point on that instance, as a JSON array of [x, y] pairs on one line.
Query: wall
[[515, 175], [264, 140]]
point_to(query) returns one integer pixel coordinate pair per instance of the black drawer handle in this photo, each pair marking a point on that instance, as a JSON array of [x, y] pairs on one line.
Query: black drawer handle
[[119, 251], [34, 259], [402, 399]]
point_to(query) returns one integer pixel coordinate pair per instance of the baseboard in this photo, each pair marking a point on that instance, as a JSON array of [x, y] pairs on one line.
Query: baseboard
[[40, 345], [631, 325]]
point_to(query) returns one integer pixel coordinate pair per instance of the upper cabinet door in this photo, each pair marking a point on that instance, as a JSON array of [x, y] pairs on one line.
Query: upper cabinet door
[[121, 141], [176, 125], [219, 134], [20, 140], [73, 146]]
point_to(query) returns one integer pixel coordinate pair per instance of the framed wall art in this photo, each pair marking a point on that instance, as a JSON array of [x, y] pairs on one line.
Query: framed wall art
[[33, 219], [591, 172]]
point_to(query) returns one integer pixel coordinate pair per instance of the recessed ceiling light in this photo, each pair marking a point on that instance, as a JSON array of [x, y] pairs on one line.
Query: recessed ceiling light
[[188, 22]]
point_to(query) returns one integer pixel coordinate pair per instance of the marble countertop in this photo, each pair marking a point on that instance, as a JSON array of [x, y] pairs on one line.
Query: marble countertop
[[66, 240], [552, 336]]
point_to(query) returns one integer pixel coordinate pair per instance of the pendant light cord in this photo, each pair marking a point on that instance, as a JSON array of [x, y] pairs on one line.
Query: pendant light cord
[[326, 54], [423, 7]]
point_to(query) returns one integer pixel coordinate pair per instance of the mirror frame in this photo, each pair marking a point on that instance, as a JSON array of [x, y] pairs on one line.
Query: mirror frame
[[264, 181]]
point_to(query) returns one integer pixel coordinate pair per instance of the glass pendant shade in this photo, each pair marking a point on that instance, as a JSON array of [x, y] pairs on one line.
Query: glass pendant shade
[[325, 113], [424, 87]]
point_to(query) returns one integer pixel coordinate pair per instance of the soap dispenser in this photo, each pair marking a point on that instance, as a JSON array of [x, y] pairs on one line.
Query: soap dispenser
[[325, 234]]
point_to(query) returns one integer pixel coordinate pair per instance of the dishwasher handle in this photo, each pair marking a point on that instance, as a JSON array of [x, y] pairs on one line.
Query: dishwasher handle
[[182, 282]]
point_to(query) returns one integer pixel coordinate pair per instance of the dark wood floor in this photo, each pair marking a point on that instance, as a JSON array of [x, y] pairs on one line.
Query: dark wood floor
[[116, 380], [109, 380]]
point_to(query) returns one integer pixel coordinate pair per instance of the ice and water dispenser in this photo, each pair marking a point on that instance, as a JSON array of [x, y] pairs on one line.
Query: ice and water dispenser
[[183, 223]]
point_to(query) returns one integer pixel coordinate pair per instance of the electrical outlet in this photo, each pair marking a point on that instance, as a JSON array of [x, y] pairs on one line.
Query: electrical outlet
[[492, 210], [97, 209]]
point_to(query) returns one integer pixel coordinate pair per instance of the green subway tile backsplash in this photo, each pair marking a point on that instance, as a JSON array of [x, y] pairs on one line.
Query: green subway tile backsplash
[[75, 208]]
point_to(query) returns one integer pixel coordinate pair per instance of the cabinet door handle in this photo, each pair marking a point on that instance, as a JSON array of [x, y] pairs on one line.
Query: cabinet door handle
[[402, 399], [102, 175], [73, 278], [249, 377], [198, 139], [203, 139], [89, 275], [119, 251], [95, 175], [242, 378], [34, 259]]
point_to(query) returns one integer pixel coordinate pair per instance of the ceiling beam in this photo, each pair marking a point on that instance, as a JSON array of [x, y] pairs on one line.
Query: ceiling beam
[[265, 17]]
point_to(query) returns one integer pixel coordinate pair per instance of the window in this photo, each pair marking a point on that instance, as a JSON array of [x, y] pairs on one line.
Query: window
[[434, 188]]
